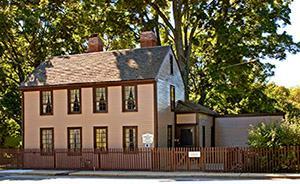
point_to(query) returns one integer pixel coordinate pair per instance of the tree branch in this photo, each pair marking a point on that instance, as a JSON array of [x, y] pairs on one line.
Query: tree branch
[[162, 15]]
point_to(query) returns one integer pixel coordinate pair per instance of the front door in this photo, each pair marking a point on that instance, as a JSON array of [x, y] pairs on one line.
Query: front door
[[186, 137]]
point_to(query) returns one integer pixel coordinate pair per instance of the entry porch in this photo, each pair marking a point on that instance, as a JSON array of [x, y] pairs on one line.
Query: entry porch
[[194, 125]]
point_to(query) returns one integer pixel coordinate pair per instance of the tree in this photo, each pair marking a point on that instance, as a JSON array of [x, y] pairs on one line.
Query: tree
[[227, 61], [32, 31], [284, 100], [220, 44], [295, 96]]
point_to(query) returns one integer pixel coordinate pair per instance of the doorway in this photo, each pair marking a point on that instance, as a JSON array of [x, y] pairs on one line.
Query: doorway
[[186, 135]]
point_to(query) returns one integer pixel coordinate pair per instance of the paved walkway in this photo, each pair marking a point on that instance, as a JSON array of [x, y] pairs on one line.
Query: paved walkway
[[35, 172], [148, 174]]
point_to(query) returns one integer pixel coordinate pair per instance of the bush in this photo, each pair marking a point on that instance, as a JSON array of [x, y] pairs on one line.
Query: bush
[[10, 136], [286, 133], [277, 135]]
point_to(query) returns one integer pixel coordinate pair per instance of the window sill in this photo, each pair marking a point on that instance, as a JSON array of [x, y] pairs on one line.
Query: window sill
[[46, 114], [72, 113], [130, 110], [100, 112]]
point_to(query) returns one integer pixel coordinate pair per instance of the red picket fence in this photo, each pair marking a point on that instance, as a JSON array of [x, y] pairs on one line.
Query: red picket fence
[[212, 159]]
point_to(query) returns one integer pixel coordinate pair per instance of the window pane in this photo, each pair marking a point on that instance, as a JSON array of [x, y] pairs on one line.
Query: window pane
[[100, 99], [47, 140], [46, 102], [130, 138], [172, 97], [101, 137], [171, 64], [130, 97], [75, 138], [100, 94], [75, 100]]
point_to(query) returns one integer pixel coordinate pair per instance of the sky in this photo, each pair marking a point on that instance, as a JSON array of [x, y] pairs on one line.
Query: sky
[[287, 72]]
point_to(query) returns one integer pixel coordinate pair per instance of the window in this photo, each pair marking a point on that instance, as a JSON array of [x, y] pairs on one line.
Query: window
[[100, 99], [47, 140], [46, 102], [74, 101], [172, 97], [129, 98], [169, 136], [203, 136], [74, 139], [100, 138], [212, 138], [130, 138], [171, 65]]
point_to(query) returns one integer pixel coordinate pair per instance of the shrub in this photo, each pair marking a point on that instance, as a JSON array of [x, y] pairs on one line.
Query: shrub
[[286, 133], [277, 135]]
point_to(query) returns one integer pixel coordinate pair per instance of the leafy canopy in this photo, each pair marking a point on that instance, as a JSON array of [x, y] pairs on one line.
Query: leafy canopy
[[219, 44]]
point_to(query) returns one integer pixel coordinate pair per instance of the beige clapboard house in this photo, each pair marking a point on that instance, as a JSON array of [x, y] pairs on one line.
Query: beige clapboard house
[[114, 99]]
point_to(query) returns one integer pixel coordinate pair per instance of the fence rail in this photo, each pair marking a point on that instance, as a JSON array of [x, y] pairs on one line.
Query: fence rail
[[214, 159]]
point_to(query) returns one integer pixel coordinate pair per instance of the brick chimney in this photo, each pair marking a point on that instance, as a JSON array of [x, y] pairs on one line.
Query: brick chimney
[[95, 44], [148, 39]]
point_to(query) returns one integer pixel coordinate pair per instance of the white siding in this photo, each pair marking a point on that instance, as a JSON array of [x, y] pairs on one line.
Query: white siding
[[164, 80]]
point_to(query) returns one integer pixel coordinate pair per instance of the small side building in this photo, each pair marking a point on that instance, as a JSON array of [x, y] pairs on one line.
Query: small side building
[[197, 125]]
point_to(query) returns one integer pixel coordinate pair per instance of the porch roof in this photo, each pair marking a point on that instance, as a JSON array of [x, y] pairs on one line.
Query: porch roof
[[190, 107]]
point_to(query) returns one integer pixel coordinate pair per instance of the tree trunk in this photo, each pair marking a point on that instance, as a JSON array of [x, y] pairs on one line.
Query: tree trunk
[[181, 55]]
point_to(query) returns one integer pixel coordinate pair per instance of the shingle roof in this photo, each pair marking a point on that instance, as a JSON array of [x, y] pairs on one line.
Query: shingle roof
[[186, 106], [118, 65]]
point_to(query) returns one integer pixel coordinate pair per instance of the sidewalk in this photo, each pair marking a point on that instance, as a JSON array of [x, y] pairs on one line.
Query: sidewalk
[[35, 172], [148, 174]]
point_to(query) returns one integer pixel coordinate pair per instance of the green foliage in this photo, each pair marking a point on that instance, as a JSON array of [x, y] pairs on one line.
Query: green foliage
[[219, 44], [284, 99], [32, 31], [295, 96], [227, 72], [275, 135], [10, 136]]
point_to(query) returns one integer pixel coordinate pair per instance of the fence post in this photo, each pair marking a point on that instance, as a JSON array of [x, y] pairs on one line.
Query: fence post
[[226, 159], [54, 159], [152, 158]]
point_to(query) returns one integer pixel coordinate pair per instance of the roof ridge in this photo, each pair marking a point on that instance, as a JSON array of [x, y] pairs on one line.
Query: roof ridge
[[114, 65], [109, 51]]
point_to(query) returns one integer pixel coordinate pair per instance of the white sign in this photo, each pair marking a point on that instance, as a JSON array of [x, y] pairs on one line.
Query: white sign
[[194, 154], [147, 138]]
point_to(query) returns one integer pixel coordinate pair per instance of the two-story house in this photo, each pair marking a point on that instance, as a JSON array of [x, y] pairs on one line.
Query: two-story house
[[103, 99], [110, 99]]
